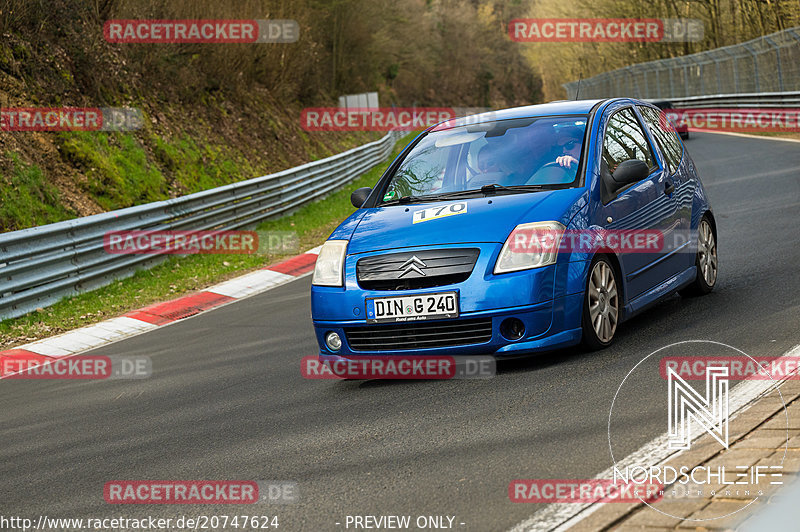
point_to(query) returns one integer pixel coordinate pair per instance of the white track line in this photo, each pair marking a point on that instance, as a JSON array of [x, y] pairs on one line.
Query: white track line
[[250, 284], [745, 135]]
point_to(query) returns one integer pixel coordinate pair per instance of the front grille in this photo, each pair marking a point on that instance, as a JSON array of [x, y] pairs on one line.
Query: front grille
[[416, 269], [405, 336]]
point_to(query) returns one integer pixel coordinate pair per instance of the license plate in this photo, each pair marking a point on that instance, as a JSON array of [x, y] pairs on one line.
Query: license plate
[[412, 308]]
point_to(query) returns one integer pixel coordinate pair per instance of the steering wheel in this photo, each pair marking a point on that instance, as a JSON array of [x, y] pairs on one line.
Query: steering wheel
[[487, 178], [550, 174]]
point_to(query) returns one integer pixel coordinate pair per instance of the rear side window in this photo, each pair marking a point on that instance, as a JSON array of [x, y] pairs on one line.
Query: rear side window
[[666, 136], [625, 140]]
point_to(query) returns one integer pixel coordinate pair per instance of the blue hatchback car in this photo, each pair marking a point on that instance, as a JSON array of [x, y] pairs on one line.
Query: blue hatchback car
[[517, 231]]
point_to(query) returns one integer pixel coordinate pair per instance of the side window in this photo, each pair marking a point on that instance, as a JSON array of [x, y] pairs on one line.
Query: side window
[[665, 135], [625, 140]]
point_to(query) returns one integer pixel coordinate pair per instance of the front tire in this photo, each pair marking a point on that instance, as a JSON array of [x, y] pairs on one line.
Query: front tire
[[600, 305], [705, 261]]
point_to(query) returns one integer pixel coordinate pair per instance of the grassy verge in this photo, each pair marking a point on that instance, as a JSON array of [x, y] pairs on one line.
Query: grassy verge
[[26, 198], [120, 172], [180, 275]]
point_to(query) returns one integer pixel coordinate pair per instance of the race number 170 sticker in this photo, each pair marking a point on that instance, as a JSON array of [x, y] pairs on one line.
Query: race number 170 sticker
[[439, 212]]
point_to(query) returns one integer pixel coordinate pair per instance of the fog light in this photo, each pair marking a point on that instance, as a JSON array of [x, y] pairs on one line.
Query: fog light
[[512, 328], [333, 341]]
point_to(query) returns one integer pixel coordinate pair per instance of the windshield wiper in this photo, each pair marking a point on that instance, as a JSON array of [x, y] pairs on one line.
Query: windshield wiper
[[494, 187], [486, 190]]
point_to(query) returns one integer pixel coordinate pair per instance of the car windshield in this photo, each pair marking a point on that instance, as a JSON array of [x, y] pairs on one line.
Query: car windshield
[[526, 154]]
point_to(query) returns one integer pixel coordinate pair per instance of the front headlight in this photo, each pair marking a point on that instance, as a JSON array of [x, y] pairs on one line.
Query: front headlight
[[330, 262], [530, 245]]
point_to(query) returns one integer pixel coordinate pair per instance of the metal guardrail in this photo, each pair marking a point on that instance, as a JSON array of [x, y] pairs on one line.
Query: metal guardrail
[[765, 64], [752, 100], [41, 265]]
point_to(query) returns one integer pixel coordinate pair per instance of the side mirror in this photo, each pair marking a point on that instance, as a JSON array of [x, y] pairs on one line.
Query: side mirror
[[630, 171], [359, 196]]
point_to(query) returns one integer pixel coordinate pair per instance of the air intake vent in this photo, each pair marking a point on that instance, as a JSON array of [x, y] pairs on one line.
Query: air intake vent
[[404, 337], [417, 269]]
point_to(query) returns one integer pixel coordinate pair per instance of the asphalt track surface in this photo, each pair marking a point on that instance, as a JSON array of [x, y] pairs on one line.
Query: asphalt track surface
[[227, 400]]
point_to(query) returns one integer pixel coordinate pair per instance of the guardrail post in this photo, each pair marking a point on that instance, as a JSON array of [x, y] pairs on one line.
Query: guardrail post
[[644, 77], [629, 81], [796, 37], [734, 57], [686, 80], [778, 61], [754, 55], [671, 83], [658, 83], [700, 73]]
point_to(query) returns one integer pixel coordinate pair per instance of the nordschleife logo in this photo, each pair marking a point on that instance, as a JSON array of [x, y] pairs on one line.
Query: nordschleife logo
[[685, 404]]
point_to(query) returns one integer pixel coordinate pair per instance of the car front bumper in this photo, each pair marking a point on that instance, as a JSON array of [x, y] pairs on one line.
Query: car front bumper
[[547, 300]]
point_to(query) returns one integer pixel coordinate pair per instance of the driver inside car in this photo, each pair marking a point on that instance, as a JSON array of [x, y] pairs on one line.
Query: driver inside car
[[508, 160], [488, 161], [570, 147], [566, 147], [493, 167]]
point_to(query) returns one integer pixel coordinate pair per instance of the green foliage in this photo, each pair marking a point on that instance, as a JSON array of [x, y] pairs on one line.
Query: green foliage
[[120, 173], [117, 168], [198, 168], [6, 57], [27, 199]]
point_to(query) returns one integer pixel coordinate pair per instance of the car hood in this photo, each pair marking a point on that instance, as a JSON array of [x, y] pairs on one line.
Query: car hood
[[482, 219]]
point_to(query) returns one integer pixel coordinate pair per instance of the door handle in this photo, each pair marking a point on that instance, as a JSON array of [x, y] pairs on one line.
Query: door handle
[[669, 187]]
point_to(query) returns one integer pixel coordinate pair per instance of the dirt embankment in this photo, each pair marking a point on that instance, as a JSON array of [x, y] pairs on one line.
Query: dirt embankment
[[199, 130]]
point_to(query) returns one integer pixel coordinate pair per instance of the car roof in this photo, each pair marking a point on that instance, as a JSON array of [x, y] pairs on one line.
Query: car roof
[[562, 107]]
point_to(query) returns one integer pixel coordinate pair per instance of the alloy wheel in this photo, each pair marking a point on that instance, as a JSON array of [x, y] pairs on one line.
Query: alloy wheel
[[603, 301]]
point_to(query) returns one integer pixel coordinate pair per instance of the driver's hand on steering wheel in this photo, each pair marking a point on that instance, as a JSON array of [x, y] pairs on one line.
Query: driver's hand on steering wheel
[[566, 161]]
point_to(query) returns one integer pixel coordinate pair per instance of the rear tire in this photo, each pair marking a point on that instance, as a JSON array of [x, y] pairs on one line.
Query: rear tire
[[601, 310], [705, 262]]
